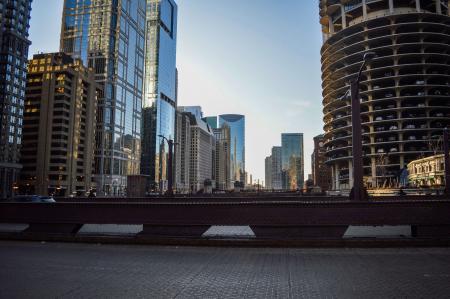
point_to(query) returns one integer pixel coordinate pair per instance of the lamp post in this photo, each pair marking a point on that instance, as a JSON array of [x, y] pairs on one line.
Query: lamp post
[[358, 193], [170, 165]]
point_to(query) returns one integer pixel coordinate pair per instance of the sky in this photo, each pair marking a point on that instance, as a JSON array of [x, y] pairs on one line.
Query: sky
[[260, 58]]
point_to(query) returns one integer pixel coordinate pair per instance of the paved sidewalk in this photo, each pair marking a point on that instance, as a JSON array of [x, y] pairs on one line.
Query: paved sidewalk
[[62, 270]]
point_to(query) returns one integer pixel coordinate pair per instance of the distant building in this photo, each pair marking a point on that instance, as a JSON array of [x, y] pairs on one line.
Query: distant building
[[202, 148], [182, 151], [268, 172], [211, 121], [292, 161], [276, 168], [194, 110], [236, 123], [14, 43], [59, 126], [321, 173], [222, 158]]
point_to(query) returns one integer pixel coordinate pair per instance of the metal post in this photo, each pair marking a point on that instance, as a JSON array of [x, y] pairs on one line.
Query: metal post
[[358, 185], [446, 163]]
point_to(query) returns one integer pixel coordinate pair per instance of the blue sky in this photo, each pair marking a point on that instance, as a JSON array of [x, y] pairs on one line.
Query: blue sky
[[260, 58]]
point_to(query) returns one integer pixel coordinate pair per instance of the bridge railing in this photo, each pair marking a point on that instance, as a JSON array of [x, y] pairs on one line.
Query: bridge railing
[[267, 219]]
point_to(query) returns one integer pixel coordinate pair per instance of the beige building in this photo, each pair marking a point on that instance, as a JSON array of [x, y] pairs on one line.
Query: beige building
[[404, 91], [429, 171], [59, 126]]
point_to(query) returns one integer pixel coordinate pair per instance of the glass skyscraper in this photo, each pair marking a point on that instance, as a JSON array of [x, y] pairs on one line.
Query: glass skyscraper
[[109, 36], [292, 166], [14, 43], [160, 89], [236, 123]]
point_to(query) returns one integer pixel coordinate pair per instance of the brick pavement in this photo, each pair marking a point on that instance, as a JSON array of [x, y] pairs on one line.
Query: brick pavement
[[61, 270]]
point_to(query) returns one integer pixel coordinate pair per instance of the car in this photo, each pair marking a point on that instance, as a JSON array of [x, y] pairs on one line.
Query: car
[[379, 118], [421, 105], [420, 93], [439, 114], [380, 151], [412, 137], [410, 126], [392, 138], [34, 198], [389, 95], [393, 128], [376, 87], [393, 149], [420, 82]]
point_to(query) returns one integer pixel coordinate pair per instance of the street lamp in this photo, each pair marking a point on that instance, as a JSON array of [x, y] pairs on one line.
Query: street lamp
[[170, 166], [358, 193]]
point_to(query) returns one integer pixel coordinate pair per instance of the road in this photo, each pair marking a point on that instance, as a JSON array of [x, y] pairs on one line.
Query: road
[[63, 270]]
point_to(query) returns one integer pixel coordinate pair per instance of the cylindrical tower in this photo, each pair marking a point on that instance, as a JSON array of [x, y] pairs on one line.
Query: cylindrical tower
[[404, 92]]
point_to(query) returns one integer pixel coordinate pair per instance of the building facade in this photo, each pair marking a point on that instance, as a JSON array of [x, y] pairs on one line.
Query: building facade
[[59, 126], [276, 168], [14, 43], [202, 148], [268, 172], [429, 171], [222, 158], [211, 121], [321, 173], [109, 37], [182, 152], [236, 124], [292, 165], [160, 89], [404, 91]]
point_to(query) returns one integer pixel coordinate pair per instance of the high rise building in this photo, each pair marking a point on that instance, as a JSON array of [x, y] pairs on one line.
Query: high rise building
[[59, 126], [14, 43], [160, 89], [211, 121], [236, 123], [182, 151], [109, 36], [202, 148], [222, 157], [292, 165], [276, 168], [268, 172], [404, 91], [321, 173], [194, 110]]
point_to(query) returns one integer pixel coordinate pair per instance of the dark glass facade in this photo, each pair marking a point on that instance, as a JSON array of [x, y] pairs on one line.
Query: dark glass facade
[[292, 168], [160, 89], [236, 123], [109, 36], [14, 43]]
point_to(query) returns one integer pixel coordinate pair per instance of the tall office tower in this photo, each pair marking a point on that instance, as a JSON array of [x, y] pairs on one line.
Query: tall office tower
[[182, 151], [222, 157], [236, 123], [321, 173], [14, 43], [211, 121], [404, 91], [202, 148], [268, 172], [109, 37], [292, 160], [59, 126], [276, 168], [160, 89]]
